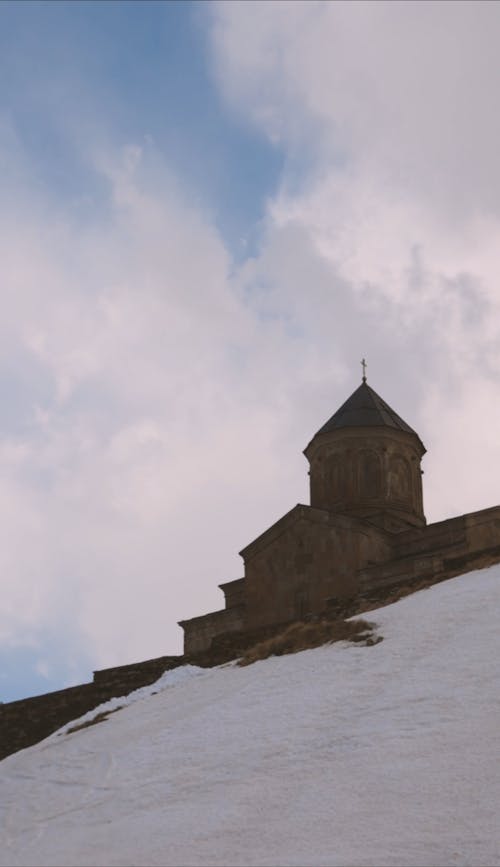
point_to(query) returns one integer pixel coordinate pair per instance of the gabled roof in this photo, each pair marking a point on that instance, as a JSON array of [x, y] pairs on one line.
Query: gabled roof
[[305, 513], [365, 408]]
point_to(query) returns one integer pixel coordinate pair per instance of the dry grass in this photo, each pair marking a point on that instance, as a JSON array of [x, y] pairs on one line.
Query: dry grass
[[301, 636], [100, 717]]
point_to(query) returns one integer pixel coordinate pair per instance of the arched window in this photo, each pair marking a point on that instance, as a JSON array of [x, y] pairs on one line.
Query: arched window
[[399, 478], [369, 475], [337, 478]]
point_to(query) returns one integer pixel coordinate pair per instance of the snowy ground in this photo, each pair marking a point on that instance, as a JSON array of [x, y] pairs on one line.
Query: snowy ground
[[344, 755]]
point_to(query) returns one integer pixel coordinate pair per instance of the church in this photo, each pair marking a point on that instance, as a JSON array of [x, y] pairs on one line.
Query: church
[[364, 529]]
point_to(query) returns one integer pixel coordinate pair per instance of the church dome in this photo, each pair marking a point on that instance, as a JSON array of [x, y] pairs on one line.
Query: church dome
[[365, 408], [365, 460]]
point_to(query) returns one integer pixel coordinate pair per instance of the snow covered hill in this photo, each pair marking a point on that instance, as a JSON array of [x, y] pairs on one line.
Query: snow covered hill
[[343, 755]]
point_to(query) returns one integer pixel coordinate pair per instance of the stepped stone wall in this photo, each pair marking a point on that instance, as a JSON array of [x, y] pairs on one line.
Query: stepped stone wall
[[201, 630], [312, 555]]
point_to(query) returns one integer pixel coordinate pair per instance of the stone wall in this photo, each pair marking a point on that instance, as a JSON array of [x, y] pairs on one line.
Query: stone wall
[[234, 592], [307, 557], [30, 720], [439, 551], [199, 631], [313, 555]]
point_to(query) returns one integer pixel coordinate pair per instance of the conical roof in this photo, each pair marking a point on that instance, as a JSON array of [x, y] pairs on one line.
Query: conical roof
[[365, 408]]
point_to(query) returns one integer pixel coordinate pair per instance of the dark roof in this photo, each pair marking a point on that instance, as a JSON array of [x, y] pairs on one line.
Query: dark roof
[[364, 408]]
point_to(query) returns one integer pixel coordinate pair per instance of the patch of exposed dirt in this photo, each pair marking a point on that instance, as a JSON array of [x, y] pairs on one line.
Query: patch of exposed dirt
[[100, 717]]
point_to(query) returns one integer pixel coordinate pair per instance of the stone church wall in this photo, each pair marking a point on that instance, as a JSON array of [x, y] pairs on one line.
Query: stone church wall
[[315, 556]]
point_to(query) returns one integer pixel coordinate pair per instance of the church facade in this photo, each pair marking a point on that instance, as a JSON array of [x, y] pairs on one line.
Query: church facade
[[364, 528]]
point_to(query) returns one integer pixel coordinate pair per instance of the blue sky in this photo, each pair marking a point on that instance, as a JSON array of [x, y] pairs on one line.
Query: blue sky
[[209, 213], [131, 71]]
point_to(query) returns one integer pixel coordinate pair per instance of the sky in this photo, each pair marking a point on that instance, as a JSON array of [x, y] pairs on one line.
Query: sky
[[209, 214]]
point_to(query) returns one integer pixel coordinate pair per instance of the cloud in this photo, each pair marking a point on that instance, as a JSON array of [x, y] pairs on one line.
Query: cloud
[[156, 394], [403, 89], [391, 194], [144, 423]]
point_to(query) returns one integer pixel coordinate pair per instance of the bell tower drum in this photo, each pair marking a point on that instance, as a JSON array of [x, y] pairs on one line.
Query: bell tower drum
[[365, 461]]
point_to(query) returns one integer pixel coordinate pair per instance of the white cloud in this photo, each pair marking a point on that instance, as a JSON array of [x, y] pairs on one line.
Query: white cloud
[[404, 89], [391, 194], [145, 418], [156, 396]]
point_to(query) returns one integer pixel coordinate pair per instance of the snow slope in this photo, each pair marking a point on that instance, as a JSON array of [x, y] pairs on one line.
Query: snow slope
[[343, 755]]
